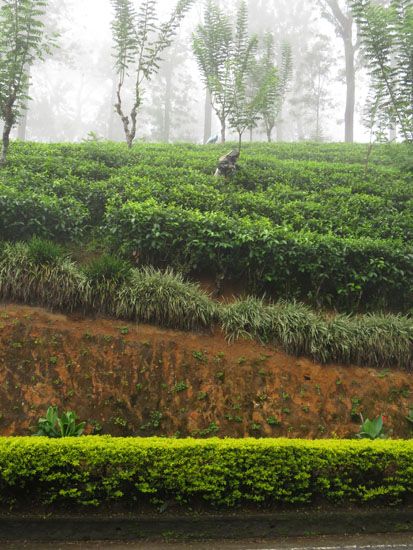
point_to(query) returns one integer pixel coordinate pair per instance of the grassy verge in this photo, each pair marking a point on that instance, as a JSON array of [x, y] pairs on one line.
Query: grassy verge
[[39, 273]]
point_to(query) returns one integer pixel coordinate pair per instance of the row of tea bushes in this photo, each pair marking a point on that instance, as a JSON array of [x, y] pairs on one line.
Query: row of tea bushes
[[324, 269]]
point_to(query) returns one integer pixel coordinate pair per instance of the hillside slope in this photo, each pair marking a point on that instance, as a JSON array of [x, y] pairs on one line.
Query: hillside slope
[[141, 380]]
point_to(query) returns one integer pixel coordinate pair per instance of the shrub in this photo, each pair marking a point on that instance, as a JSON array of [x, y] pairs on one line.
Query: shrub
[[54, 426], [93, 471], [58, 284], [27, 213], [106, 275], [325, 269], [44, 252], [164, 298]]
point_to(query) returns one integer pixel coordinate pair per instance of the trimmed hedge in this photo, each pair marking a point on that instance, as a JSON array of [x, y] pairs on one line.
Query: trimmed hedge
[[322, 268], [93, 471]]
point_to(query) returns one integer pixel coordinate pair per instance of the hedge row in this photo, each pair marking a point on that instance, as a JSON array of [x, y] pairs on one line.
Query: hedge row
[[38, 274], [323, 269], [94, 471]]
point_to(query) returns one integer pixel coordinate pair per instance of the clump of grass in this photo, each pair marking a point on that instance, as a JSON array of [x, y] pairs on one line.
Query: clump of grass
[[166, 299], [44, 252], [41, 276], [106, 275], [374, 340], [296, 328], [248, 318], [383, 340]]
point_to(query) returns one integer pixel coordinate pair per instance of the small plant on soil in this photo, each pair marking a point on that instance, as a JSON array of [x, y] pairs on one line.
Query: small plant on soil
[[53, 425], [155, 419], [200, 356], [272, 421], [372, 429], [180, 386], [409, 417]]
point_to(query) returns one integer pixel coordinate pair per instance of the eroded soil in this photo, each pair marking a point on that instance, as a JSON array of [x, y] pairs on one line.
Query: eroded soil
[[142, 380]]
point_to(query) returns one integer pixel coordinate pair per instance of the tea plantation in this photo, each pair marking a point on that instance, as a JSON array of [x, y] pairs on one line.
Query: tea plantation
[[312, 222]]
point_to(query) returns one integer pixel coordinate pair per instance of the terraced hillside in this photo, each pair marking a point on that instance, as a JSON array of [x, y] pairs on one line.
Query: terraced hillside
[[288, 279]]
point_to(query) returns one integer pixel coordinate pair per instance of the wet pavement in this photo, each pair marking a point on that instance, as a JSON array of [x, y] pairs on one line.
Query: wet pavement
[[376, 542]]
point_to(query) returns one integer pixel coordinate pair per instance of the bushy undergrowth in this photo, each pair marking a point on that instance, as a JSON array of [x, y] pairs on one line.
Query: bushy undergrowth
[[307, 221], [26, 277], [94, 471], [38, 273], [377, 340], [152, 296], [325, 269]]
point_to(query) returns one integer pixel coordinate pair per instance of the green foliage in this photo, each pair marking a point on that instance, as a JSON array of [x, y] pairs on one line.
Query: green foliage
[[165, 299], [225, 56], [95, 471], [372, 429], [54, 426], [139, 40], [387, 40], [43, 252], [106, 275], [376, 340], [22, 42], [274, 81], [35, 274], [302, 221]]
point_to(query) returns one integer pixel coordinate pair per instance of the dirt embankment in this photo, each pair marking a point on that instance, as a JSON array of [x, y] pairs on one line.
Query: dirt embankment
[[141, 380]]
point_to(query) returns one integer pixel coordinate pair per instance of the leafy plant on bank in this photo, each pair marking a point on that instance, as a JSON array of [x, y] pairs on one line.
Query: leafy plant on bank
[[55, 426], [372, 429]]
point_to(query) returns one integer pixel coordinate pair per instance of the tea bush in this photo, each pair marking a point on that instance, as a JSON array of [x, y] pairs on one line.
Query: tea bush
[[229, 473], [309, 221]]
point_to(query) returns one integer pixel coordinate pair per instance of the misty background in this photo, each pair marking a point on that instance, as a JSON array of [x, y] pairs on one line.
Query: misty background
[[73, 92]]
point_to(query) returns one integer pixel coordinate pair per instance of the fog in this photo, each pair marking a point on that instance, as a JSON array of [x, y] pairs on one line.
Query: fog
[[73, 91]]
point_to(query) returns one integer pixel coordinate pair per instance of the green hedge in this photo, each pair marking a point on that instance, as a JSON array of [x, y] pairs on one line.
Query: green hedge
[[93, 471], [322, 268]]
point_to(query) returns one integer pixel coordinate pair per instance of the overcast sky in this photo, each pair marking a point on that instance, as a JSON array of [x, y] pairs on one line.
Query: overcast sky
[[88, 30]]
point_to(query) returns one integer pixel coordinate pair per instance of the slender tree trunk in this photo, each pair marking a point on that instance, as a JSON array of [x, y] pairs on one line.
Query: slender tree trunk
[[280, 127], [168, 106], [208, 117], [351, 86], [6, 142], [223, 131], [239, 141], [251, 135], [22, 129]]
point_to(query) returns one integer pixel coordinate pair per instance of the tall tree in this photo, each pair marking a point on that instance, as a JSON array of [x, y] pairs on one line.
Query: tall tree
[[22, 42], [274, 80], [341, 16], [387, 43], [313, 97], [139, 40], [225, 55]]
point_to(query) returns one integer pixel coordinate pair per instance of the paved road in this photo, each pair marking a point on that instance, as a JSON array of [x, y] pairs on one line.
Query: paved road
[[380, 542]]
